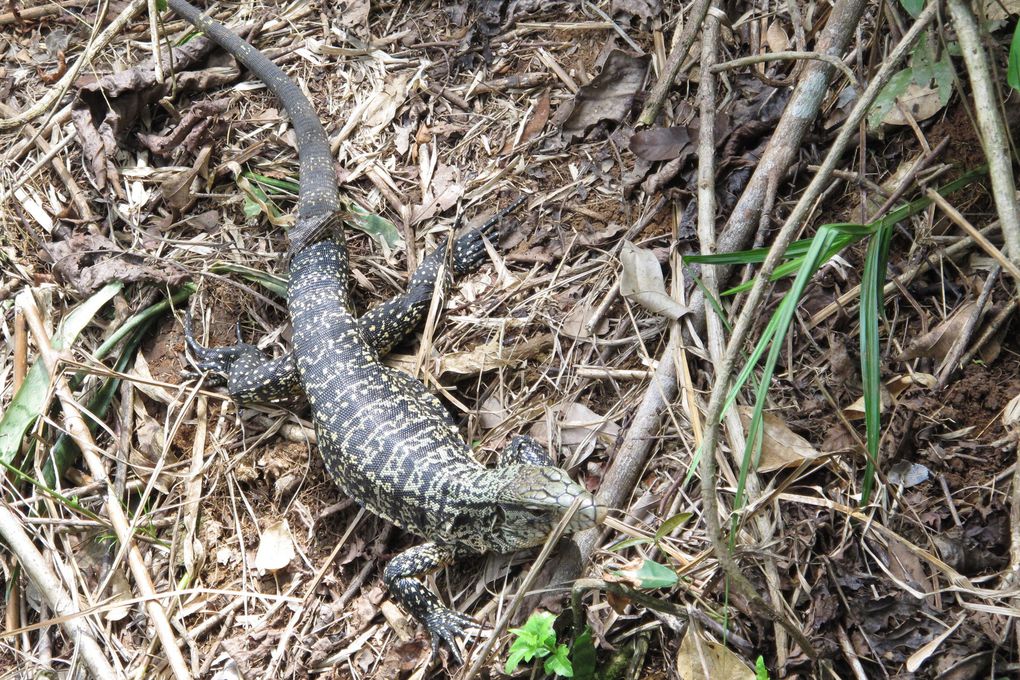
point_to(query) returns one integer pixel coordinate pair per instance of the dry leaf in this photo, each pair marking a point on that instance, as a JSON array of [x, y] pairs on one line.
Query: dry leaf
[[781, 447], [577, 423], [1011, 414], [937, 342], [384, 103], [493, 355], [660, 144], [890, 392], [701, 659], [608, 96], [276, 547], [776, 37], [642, 282]]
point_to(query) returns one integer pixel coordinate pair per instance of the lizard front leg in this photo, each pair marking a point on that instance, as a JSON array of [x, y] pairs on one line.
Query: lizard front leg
[[403, 579]]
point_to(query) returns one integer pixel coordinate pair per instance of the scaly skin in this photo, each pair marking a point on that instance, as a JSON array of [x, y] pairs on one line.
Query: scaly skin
[[386, 441]]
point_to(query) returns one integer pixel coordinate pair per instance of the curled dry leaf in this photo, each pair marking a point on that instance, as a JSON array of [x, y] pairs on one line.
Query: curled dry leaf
[[781, 447], [776, 37], [578, 422], [921, 102], [276, 547], [891, 392], [642, 282], [608, 96]]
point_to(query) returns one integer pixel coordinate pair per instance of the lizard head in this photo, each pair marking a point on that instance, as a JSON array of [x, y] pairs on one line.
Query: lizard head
[[533, 501]]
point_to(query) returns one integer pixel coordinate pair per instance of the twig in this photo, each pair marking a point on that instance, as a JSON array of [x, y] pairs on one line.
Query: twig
[[706, 236], [957, 217], [79, 432], [751, 308], [49, 586], [676, 59], [994, 139], [94, 46], [783, 56]]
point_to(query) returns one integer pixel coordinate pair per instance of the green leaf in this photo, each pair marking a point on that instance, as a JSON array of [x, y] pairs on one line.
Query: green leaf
[[583, 656], [913, 7], [651, 574], [559, 663], [381, 229], [886, 99], [943, 75], [629, 543], [31, 398], [760, 671], [516, 656], [271, 282], [1013, 65], [672, 523]]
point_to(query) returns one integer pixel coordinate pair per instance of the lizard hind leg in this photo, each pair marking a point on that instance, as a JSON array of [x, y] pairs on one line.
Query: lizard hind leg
[[250, 376], [403, 579]]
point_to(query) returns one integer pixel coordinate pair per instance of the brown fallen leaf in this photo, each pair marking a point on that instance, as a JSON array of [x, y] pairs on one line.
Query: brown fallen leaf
[[176, 190], [920, 101], [661, 143], [609, 96], [890, 393], [641, 281], [937, 342], [197, 126], [276, 547], [106, 108], [781, 447], [699, 657], [90, 261], [535, 124]]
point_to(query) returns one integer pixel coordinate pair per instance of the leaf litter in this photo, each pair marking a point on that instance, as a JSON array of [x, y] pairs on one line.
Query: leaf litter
[[434, 112]]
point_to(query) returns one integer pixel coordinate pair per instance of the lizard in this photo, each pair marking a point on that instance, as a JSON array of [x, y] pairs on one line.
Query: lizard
[[387, 442]]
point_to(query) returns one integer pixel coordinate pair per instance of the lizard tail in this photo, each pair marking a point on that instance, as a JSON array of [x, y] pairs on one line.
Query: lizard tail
[[318, 197]]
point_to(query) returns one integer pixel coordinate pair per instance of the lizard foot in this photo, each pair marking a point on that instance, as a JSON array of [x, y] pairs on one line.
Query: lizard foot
[[215, 361], [445, 626], [469, 249]]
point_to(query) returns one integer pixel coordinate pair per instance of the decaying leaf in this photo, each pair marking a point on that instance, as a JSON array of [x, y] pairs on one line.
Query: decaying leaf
[[608, 96], [937, 342], [703, 658], [891, 392], [642, 282], [660, 144], [276, 547], [781, 447], [534, 126], [106, 108], [921, 102], [90, 261]]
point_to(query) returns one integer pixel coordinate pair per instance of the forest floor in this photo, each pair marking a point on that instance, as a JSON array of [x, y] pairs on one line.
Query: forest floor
[[584, 329]]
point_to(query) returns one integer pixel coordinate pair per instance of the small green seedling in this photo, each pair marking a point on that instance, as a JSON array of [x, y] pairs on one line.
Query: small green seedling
[[760, 671], [537, 639]]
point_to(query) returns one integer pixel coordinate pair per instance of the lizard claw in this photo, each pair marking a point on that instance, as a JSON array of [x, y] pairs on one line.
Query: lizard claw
[[445, 626], [216, 361]]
